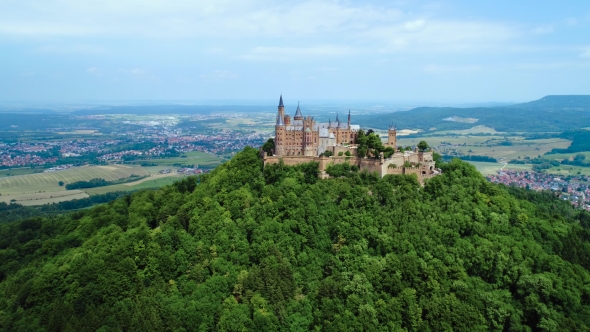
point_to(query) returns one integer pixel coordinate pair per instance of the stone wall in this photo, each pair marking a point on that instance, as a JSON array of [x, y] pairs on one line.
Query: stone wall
[[365, 164]]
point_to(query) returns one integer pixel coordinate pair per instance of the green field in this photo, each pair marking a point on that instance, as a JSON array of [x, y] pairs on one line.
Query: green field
[[493, 168], [489, 145], [48, 181], [19, 171], [152, 183], [569, 170], [192, 158], [561, 156], [44, 198]]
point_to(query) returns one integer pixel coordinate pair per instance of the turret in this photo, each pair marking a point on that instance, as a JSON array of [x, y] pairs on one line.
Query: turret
[[281, 113], [348, 119], [298, 115], [392, 136], [280, 129]]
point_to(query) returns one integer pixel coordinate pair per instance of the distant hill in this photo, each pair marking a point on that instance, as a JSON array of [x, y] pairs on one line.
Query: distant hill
[[581, 102], [173, 109], [548, 114]]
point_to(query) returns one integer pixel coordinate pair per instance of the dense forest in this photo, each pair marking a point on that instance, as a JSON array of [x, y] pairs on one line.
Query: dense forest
[[580, 141], [14, 211], [245, 248]]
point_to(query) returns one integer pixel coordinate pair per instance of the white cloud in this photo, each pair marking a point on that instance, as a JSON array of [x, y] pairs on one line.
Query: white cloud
[[182, 18], [219, 75], [444, 69], [290, 53], [136, 72], [71, 49], [543, 30], [571, 21], [415, 25], [442, 36]]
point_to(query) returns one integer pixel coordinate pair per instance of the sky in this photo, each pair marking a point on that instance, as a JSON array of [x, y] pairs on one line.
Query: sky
[[188, 50]]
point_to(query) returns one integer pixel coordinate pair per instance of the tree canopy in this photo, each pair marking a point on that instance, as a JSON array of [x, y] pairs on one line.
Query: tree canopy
[[250, 249]]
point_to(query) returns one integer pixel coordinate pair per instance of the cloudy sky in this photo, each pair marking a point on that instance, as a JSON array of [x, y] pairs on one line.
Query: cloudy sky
[[448, 51]]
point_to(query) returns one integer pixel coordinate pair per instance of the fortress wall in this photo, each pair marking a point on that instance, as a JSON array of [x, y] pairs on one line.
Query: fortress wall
[[288, 160], [340, 148], [413, 170], [394, 171], [365, 164], [425, 157], [371, 165], [398, 160], [344, 159], [413, 158]]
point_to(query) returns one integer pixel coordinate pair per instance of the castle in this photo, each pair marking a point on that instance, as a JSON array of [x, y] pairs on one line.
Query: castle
[[302, 140]]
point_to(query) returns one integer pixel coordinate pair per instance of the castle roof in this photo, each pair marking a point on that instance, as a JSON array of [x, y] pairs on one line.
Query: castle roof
[[281, 101], [298, 112], [280, 121]]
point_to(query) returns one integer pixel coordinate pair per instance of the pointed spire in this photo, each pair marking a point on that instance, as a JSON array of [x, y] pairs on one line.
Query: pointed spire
[[349, 118], [337, 120], [329, 123], [298, 115], [281, 101]]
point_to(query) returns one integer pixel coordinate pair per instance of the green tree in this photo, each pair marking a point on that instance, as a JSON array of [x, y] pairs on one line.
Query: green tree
[[423, 146], [269, 147]]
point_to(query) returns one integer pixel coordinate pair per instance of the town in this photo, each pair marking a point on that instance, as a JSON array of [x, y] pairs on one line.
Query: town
[[571, 188], [129, 139]]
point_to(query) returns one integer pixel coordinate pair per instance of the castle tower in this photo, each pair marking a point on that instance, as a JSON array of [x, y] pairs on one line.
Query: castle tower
[[309, 137], [280, 134], [298, 115], [392, 137], [348, 119]]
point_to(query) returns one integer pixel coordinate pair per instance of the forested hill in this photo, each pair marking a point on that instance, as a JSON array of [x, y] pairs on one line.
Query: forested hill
[[577, 102], [252, 250], [548, 114]]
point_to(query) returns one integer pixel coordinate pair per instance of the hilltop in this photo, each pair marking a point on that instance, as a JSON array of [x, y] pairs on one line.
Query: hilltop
[[579, 102], [244, 248]]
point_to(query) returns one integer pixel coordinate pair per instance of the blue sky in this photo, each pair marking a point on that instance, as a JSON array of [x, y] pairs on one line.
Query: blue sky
[[186, 50]]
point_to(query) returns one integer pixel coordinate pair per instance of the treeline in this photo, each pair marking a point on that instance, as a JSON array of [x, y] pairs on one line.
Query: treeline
[[92, 183], [486, 159], [14, 211], [275, 249], [99, 182], [580, 141], [578, 160]]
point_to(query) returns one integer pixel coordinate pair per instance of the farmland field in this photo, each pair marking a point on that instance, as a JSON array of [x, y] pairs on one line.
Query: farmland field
[[569, 170], [43, 198], [48, 181], [151, 182], [19, 171], [561, 156], [493, 168], [192, 158], [490, 145]]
